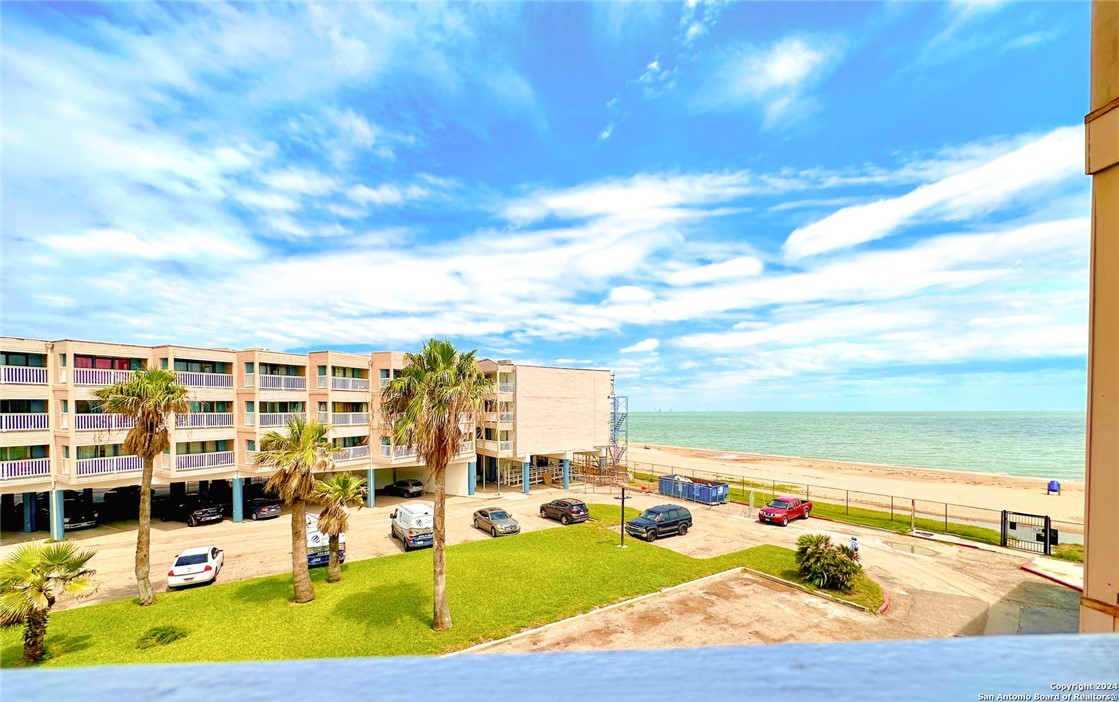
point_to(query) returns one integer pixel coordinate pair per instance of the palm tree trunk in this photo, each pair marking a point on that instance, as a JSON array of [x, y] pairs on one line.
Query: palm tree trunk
[[144, 535], [301, 577], [333, 568], [34, 634], [439, 554]]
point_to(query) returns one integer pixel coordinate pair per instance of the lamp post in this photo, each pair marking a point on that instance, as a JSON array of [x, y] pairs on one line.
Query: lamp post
[[622, 529]]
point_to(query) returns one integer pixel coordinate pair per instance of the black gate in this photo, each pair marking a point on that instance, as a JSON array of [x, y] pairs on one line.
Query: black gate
[[1028, 532]]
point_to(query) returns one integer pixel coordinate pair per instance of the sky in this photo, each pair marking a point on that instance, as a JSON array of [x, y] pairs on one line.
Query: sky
[[746, 206]]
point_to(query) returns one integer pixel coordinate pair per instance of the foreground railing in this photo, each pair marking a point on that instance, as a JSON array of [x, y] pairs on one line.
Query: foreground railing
[[24, 468], [23, 375], [24, 422]]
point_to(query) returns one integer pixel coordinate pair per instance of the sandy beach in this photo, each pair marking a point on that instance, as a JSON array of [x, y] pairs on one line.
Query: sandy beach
[[980, 490]]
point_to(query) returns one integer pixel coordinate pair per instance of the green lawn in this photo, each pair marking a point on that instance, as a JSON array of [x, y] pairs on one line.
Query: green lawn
[[382, 607]]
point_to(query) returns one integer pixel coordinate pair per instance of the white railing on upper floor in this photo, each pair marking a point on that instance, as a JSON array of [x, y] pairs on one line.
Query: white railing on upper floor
[[352, 453], [361, 384], [24, 422], [505, 387], [505, 446], [193, 379], [26, 375], [349, 419], [277, 419], [111, 464], [24, 468], [100, 376], [103, 422], [196, 461], [282, 382], [204, 420]]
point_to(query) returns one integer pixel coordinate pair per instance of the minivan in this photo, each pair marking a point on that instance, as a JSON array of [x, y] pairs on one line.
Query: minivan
[[412, 524]]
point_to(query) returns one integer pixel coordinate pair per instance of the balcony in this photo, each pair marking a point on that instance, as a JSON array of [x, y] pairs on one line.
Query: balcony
[[278, 419], [349, 419], [385, 382], [487, 445], [204, 420], [505, 387], [103, 422], [23, 375], [100, 376], [353, 453], [504, 445], [465, 447], [105, 466], [359, 384], [197, 461], [282, 382], [205, 380], [24, 422], [490, 417], [397, 451], [506, 417], [25, 468]]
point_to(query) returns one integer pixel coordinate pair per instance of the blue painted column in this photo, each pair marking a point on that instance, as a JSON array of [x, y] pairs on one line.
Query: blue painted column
[[472, 478], [238, 500], [567, 474], [370, 489], [525, 474], [30, 512], [57, 532]]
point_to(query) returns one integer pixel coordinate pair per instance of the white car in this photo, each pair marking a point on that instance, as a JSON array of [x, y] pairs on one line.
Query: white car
[[196, 565]]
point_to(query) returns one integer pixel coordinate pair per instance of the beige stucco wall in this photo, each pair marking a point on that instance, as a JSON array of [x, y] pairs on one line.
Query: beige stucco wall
[[1099, 610], [561, 409]]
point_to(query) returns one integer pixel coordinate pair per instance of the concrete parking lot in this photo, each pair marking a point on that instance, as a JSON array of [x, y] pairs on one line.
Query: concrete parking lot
[[936, 589]]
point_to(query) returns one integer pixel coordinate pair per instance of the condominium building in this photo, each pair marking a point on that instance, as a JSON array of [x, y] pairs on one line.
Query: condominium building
[[54, 436]]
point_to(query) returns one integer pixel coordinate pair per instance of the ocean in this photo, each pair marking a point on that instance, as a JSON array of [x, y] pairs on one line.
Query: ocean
[[1046, 445]]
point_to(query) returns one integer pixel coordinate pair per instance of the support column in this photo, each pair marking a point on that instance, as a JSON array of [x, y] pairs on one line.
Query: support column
[[58, 533], [524, 474], [238, 500], [30, 512], [87, 496], [567, 474], [370, 488], [472, 478]]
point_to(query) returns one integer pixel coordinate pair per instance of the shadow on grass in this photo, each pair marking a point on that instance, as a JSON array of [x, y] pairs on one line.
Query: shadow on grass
[[265, 590], [387, 605], [61, 645]]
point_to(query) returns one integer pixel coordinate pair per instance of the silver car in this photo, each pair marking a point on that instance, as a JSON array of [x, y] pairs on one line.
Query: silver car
[[496, 521]]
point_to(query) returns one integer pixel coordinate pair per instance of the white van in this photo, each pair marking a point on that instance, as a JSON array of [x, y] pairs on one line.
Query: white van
[[412, 524], [318, 544]]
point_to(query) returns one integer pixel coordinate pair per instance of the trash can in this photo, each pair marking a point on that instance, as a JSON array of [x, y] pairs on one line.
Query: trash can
[[1054, 486]]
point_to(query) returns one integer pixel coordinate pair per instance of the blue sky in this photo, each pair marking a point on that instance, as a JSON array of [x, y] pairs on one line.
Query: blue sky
[[779, 206]]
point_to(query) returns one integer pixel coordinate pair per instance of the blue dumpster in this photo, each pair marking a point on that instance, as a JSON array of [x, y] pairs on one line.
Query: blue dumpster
[[707, 492]]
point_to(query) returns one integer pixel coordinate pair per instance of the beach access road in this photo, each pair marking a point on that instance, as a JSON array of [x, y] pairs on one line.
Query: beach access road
[[936, 589]]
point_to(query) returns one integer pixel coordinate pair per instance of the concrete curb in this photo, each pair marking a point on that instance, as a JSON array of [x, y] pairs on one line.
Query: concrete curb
[[1026, 567], [802, 588], [598, 610]]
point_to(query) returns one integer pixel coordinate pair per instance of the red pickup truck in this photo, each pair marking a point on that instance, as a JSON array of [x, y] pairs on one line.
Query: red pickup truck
[[783, 509]]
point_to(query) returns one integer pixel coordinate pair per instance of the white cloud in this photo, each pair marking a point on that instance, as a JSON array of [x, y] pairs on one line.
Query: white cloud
[[646, 346], [1055, 156], [385, 194], [741, 267], [300, 181], [346, 212]]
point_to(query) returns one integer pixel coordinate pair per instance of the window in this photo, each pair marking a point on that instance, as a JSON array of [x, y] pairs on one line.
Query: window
[[62, 360], [322, 406], [163, 364], [250, 445], [322, 370], [65, 406], [248, 367]]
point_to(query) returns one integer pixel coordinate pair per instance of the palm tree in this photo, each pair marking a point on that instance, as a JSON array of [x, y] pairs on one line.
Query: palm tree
[[438, 392], [32, 579], [337, 492], [295, 458], [148, 396]]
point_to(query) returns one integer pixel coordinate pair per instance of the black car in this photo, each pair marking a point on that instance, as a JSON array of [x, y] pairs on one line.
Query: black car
[[566, 510], [405, 488], [192, 509], [76, 513], [262, 508], [661, 520]]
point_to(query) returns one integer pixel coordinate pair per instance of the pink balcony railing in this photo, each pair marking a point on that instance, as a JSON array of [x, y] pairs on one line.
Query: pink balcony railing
[[196, 461], [204, 420], [104, 422], [100, 376], [282, 382], [112, 464], [26, 375], [24, 468], [205, 380], [24, 422]]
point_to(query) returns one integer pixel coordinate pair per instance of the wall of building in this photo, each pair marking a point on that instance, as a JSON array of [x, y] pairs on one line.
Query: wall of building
[[561, 409]]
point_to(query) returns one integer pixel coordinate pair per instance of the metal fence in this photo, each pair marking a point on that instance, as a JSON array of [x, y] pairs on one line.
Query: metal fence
[[855, 506]]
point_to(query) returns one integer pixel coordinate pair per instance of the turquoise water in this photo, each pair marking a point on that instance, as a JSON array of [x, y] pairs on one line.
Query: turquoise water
[[1033, 444]]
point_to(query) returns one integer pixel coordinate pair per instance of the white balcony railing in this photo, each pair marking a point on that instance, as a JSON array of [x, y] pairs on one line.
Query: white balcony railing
[[361, 384], [505, 387], [100, 376], [249, 379], [113, 464], [397, 451], [192, 379], [24, 468], [490, 417], [282, 382], [506, 417], [24, 422], [195, 461], [250, 419], [487, 445], [504, 445], [352, 453], [349, 419], [466, 447], [385, 381], [103, 422], [27, 375], [324, 417], [203, 420], [277, 419]]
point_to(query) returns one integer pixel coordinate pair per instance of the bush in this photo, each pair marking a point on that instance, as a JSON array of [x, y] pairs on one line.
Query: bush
[[826, 565], [160, 636]]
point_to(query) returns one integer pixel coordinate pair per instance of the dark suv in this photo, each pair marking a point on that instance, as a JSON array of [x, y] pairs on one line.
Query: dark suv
[[405, 488], [661, 520], [567, 511], [192, 509]]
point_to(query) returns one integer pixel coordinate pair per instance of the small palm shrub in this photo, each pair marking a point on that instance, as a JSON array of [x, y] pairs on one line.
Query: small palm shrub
[[826, 565], [160, 636]]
